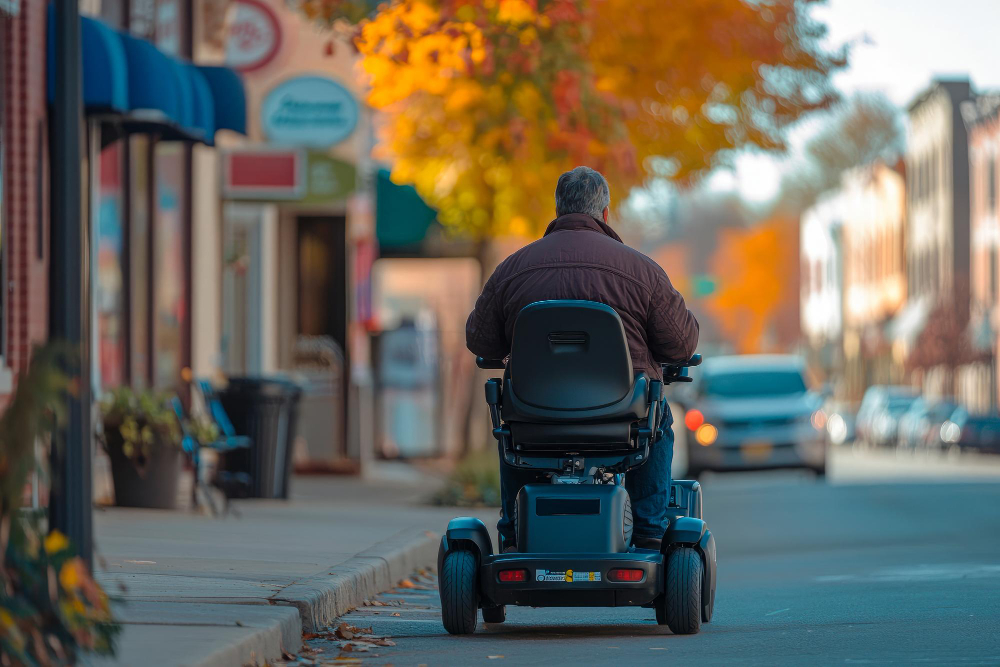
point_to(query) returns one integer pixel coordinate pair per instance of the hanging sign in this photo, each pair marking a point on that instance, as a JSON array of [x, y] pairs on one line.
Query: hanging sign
[[309, 111], [254, 36]]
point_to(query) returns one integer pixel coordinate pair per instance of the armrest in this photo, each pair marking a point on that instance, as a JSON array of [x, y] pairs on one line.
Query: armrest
[[490, 363]]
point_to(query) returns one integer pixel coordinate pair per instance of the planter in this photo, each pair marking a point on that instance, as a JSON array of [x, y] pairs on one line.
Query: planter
[[155, 486]]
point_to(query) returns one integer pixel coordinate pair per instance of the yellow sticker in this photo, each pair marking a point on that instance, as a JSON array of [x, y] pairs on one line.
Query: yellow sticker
[[569, 575]]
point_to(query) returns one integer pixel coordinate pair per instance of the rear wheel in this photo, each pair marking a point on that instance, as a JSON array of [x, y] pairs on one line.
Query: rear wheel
[[681, 601], [458, 589]]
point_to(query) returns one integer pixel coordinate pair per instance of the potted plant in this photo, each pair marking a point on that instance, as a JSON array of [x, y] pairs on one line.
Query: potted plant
[[142, 437], [51, 609]]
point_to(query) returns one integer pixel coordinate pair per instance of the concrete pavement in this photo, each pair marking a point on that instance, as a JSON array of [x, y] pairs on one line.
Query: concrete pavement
[[197, 590], [854, 570]]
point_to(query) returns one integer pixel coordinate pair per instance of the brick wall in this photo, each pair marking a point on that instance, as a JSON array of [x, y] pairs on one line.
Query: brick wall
[[25, 195]]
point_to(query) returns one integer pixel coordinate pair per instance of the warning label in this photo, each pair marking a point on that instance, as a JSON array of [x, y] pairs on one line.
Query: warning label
[[568, 576]]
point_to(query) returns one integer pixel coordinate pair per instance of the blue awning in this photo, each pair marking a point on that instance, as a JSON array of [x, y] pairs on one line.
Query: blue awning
[[104, 65], [152, 82], [229, 97], [150, 91], [204, 105]]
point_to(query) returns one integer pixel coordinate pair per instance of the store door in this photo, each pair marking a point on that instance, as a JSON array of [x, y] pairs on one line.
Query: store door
[[322, 277]]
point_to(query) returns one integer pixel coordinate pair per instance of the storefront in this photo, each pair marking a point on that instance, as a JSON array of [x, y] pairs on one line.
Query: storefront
[[147, 107]]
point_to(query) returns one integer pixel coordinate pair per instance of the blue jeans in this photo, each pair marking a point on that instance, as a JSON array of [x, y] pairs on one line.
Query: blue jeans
[[648, 486]]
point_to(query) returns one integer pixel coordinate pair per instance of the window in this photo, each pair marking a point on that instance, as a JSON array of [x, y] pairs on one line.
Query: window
[[991, 185], [992, 289]]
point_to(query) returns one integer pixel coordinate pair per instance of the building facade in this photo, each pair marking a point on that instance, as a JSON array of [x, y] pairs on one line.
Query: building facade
[[978, 380], [24, 161], [821, 279], [874, 275], [937, 165]]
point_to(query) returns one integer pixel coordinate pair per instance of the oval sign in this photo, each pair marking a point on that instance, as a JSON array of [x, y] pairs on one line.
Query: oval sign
[[254, 36], [309, 111]]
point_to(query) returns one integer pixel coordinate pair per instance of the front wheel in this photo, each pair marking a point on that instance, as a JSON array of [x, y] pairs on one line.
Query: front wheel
[[680, 606], [459, 592]]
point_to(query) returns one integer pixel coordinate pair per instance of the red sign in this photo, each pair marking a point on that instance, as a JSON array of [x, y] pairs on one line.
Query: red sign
[[263, 174], [254, 36]]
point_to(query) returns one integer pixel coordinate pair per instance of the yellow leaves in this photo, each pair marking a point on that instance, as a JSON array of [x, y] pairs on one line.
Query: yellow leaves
[[515, 11], [55, 542]]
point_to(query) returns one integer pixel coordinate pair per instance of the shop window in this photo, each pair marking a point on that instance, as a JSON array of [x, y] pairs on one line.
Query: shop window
[[170, 307], [109, 288]]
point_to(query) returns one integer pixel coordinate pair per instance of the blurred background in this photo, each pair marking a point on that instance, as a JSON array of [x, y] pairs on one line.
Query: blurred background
[[312, 192], [261, 224]]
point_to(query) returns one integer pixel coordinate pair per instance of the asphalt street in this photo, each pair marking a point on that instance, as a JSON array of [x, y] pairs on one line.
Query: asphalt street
[[856, 570]]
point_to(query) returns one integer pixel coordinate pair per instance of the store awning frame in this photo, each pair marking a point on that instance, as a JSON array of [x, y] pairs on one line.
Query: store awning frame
[[130, 82]]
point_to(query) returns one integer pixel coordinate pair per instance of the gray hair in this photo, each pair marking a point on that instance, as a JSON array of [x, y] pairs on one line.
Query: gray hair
[[582, 190]]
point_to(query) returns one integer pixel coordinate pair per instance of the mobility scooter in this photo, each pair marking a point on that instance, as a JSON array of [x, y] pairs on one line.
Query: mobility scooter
[[570, 408]]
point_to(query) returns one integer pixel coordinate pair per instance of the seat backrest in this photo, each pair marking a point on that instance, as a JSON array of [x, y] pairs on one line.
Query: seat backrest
[[569, 355]]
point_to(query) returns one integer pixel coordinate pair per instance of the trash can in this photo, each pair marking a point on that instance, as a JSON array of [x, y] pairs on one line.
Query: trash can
[[266, 410]]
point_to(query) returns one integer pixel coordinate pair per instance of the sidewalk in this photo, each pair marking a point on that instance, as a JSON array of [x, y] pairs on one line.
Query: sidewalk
[[240, 589]]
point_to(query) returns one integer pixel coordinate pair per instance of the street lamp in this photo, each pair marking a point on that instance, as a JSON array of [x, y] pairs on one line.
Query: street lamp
[[69, 285]]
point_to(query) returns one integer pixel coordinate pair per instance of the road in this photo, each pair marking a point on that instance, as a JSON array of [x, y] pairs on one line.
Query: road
[[857, 570]]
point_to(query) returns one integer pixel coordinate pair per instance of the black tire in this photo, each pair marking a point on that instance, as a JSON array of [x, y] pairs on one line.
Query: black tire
[[682, 597], [628, 521], [497, 614], [458, 589]]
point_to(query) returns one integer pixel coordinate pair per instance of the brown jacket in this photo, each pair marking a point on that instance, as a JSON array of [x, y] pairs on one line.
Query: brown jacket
[[580, 257]]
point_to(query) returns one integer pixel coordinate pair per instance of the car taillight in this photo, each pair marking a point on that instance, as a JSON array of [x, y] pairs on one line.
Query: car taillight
[[693, 419], [511, 576], [625, 574]]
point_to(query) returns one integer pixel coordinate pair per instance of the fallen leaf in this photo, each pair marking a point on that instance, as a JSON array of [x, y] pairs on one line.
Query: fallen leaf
[[347, 648], [406, 583], [494, 657], [383, 642], [395, 613], [344, 632], [239, 624]]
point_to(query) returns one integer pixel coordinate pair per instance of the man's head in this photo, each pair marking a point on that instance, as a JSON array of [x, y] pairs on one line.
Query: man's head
[[583, 190]]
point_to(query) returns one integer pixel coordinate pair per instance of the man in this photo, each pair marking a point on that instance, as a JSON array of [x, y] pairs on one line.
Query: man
[[581, 257]]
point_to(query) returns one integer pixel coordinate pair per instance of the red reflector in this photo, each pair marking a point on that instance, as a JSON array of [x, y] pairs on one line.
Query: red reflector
[[508, 576], [625, 575]]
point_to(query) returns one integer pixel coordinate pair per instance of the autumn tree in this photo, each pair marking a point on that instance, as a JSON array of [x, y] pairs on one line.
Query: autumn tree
[[486, 102], [860, 131]]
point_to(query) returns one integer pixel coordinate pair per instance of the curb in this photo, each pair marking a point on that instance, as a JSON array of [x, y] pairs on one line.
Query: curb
[[322, 598]]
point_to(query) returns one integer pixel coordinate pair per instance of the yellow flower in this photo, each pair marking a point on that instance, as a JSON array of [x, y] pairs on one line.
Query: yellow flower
[[55, 542], [69, 575]]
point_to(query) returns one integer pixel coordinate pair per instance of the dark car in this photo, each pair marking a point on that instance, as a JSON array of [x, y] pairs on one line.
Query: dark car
[[753, 412], [965, 432]]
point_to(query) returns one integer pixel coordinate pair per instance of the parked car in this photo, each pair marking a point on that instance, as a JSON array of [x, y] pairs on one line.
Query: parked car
[[878, 417], [919, 426], [964, 432], [753, 412]]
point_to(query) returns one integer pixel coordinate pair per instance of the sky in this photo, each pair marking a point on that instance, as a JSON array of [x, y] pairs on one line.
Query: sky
[[899, 45]]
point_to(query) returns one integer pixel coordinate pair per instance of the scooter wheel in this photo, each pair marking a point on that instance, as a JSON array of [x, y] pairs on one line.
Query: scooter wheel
[[681, 601], [497, 614], [458, 589]]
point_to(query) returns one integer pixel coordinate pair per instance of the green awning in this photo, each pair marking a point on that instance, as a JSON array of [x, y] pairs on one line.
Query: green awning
[[402, 218]]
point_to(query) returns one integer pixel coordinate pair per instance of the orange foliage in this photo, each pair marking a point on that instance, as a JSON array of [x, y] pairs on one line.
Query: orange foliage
[[486, 102], [757, 275]]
